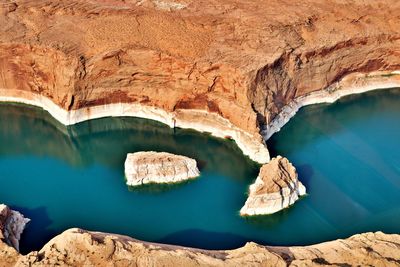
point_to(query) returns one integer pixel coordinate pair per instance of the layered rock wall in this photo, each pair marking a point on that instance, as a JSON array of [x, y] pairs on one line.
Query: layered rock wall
[[242, 62]]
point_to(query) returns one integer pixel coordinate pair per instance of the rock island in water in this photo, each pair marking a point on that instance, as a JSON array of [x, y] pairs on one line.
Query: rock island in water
[[158, 167], [276, 187]]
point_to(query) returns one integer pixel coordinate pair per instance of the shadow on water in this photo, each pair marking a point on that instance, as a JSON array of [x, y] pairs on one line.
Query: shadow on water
[[315, 122], [108, 140], [205, 239], [155, 188], [305, 173], [37, 233]]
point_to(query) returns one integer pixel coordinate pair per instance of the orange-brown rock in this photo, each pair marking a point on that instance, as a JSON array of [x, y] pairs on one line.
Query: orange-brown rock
[[242, 60]]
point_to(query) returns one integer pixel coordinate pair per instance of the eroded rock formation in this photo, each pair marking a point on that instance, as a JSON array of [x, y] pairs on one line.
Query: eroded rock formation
[[158, 167], [277, 187], [243, 62], [76, 247], [225, 66], [12, 224]]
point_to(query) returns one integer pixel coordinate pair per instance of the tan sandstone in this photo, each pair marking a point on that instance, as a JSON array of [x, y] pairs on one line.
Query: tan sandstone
[[158, 167], [277, 187], [76, 247]]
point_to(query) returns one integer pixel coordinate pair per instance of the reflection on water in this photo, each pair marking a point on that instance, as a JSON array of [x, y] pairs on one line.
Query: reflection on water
[[107, 141], [61, 177]]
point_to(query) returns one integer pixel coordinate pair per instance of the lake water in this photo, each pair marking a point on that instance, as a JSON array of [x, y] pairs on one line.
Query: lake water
[[347, 155]]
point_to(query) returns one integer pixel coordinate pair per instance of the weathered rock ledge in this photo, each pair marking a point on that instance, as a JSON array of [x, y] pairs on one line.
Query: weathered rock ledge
[[354, 83], [12, 224], [276, 187], [76, 247], [246, 64], [158, 167], [251, 145]]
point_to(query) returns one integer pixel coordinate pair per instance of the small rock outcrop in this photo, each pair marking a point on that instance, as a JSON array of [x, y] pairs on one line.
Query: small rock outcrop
[[276, 187], [158, 167], [12, 224]]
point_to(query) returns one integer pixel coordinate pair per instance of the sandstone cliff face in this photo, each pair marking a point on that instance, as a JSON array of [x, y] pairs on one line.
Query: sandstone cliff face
[[76, 247], [276, 187], [242, 61], [158, 167]]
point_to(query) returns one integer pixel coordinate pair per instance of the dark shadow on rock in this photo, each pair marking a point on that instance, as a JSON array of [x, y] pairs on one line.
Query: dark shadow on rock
[[36, 233], [196, 238]]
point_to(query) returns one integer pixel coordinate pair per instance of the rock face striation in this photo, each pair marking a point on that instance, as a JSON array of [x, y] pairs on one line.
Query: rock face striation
[[12, 224], [276, 187], [158, 167]]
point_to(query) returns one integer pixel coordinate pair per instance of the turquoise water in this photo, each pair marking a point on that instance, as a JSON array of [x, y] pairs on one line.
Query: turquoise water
[[347, 155]]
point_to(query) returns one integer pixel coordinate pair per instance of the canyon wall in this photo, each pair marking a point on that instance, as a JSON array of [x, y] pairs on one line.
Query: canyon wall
[[241, 61]]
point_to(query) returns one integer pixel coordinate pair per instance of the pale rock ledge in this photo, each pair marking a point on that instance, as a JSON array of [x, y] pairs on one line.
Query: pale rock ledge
[[158, 167], [276, 187], [12, 224]]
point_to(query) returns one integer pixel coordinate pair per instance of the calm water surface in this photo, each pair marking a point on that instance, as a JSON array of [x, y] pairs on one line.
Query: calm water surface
[[347, 155]]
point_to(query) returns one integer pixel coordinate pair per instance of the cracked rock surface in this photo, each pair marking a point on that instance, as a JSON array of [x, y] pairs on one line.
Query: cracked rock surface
[[277, 187], [158, 167]]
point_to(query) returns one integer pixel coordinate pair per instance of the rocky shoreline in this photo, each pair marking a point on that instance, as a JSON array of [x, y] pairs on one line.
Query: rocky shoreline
[[234, 70], [252, 146], [355, 83], [255, 149], [77, 247], [199, 120]]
